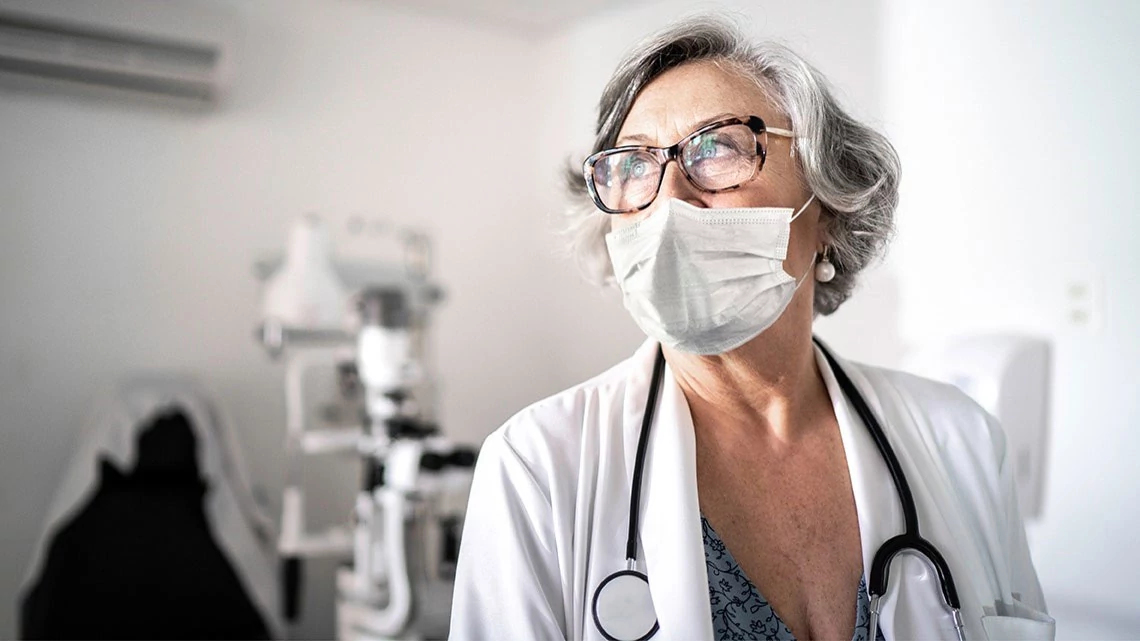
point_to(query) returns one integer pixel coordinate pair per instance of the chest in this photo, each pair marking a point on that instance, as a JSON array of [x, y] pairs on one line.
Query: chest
[[789, 520]]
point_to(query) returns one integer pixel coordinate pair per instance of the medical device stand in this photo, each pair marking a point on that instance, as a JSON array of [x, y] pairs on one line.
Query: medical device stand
[[403, 538]]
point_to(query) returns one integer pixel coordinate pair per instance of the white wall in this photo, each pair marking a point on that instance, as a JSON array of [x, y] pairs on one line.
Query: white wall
[[1016, 123], [128, 231]]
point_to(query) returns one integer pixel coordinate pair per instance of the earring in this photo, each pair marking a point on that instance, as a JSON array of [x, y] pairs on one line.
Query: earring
[[824, 270]]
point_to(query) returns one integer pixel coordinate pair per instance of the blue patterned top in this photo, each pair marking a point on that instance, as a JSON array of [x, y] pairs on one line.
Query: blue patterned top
[[741, 613]]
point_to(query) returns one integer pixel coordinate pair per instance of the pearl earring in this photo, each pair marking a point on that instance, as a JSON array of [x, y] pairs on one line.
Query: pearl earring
[[824, 270]]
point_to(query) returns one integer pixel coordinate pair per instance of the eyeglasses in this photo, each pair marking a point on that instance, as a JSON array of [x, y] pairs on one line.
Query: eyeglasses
[[717, 157]]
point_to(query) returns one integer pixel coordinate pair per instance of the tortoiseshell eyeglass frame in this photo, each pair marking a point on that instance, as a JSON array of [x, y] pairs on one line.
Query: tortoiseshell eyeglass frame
[[666, 154]]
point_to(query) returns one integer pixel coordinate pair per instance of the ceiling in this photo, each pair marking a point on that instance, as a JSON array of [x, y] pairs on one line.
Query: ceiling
[[522, 16]]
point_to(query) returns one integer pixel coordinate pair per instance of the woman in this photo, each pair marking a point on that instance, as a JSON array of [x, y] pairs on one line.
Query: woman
[[732, 199]]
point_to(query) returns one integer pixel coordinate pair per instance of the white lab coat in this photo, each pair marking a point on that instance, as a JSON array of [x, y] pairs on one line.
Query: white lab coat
[[549, 510]]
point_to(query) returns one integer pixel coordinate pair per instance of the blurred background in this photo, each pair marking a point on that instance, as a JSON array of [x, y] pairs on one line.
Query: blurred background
[[130, 225]]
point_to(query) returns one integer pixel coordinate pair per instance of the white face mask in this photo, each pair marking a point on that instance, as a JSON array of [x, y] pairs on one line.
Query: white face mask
[[705, 281]]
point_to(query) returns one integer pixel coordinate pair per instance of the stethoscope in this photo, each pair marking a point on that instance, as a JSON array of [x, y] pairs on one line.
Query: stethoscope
[[622, 605]]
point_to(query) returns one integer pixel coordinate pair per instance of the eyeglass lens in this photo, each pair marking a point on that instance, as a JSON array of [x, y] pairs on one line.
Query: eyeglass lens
[[714, 160]]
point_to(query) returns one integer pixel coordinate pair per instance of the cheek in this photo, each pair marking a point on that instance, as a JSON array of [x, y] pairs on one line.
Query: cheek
[[772, 187], [757, 193]]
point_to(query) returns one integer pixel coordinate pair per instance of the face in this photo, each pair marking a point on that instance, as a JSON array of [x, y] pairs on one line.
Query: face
[[685, 98]]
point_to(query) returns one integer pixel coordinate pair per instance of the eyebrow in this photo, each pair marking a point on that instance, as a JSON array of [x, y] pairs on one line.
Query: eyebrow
[[642, 138]]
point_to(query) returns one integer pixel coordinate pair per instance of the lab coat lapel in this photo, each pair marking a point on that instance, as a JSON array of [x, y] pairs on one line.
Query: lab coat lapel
[[876, 503], [670, 534]]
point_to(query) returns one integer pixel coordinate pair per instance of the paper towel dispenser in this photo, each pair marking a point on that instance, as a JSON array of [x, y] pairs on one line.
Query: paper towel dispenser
[[1008, 375]]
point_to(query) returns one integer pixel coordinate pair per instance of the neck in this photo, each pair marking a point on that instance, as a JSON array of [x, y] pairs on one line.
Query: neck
[[769, 387]]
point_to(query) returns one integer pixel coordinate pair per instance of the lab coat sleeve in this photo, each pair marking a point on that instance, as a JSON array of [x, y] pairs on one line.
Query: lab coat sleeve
[[1023, 577], [507, 583]]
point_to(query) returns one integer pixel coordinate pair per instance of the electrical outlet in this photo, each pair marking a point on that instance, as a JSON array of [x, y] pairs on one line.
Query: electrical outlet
[[1084, 303]]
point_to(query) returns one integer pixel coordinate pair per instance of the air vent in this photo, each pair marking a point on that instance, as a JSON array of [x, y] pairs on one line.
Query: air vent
[[56, 50]]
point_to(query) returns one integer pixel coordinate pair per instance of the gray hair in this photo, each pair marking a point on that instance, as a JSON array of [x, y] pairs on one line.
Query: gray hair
[[852, 169]]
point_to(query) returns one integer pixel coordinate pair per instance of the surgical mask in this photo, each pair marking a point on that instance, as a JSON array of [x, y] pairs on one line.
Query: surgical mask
[[705, 281]]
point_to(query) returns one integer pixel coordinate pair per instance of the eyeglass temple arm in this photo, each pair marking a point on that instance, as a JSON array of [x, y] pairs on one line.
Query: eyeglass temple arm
[[786, 133]]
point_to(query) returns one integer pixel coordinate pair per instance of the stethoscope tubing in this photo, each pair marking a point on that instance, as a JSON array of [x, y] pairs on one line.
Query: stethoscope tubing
[[642, 446], [910, 538]]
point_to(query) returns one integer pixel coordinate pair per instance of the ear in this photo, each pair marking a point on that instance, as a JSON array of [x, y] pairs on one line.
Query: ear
[[823, 227]]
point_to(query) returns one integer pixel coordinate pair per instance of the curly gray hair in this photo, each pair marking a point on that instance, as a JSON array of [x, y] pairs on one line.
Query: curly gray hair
[[852, 169]]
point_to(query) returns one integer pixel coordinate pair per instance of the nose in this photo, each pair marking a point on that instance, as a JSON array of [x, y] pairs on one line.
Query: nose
[[674, 184]]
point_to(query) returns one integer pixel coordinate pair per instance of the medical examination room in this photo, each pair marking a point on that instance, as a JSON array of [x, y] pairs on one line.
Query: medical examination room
[[411, 320]]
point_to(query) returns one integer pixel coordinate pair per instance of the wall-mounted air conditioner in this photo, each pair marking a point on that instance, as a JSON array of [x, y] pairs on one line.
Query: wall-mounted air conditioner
[[54, 49]]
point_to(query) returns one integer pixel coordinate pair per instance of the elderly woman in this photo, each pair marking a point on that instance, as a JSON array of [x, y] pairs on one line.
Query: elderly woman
[[733, 479]]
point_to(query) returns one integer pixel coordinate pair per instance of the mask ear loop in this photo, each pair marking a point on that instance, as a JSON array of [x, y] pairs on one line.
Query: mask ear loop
[[797, 214], [811, 267], [814, 255]]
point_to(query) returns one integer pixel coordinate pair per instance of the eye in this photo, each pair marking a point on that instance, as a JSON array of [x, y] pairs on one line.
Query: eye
[[715, 146], [635, 167], [709, 147]]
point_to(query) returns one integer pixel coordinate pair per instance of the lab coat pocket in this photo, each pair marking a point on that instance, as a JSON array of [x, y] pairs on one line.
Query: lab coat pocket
[[1016, 621]]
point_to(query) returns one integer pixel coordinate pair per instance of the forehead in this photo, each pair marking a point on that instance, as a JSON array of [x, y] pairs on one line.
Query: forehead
[[675, 103]]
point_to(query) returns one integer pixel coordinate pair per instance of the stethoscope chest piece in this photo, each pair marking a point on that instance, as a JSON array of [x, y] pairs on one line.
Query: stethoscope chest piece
[[623, 607]]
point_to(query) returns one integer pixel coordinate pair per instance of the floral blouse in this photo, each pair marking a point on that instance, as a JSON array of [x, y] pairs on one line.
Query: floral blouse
[[740, 612]]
